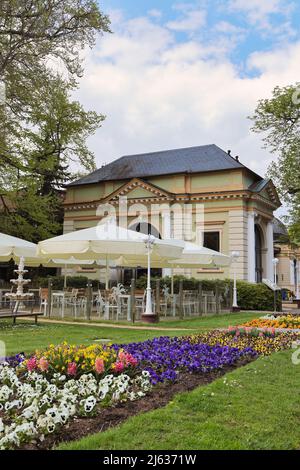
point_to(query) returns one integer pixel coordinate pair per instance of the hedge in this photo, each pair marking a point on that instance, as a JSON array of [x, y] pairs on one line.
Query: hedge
[[250, 296], [76, 282]]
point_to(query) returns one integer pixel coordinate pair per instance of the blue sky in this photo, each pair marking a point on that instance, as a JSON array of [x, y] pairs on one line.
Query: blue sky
[[261, 25], [186, 73]]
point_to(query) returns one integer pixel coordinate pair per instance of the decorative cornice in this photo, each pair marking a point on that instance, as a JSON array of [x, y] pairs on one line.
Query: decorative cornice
[[160, 196]]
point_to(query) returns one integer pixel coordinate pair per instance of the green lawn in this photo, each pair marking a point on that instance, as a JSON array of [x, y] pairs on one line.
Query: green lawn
[[258, 409], [211, 321], [26, 337]]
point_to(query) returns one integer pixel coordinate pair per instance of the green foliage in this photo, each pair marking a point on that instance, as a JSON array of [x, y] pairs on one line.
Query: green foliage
[[188, 283], [278, 118], [43, 131], [256, 297], [250, 296], [76, 282]]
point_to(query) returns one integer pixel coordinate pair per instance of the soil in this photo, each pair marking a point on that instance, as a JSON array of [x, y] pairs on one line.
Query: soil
[[160, 396]]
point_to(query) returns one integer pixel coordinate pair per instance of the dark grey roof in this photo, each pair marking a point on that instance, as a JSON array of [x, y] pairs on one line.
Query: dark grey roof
[[186, 160], [280, 231], [258, 186]]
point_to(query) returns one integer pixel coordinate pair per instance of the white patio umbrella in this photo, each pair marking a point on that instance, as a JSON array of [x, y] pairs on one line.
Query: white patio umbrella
[[73, 262], [14, 248], [111, 241], [192, 256]]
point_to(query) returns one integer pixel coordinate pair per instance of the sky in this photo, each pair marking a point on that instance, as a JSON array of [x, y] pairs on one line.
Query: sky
[[180, 74]]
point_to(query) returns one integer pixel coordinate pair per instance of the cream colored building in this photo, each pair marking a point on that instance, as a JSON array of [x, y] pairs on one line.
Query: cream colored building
[[288, 272], [159, 187]]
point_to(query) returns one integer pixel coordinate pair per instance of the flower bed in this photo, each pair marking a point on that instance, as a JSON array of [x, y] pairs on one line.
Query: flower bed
[[33, 406], [284, 321], [165, 357], [263, 342], [41, 394], [74, 361]]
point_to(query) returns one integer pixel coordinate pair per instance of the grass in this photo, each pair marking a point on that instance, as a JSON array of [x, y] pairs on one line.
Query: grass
[[258, 409], [209, 321], [26, 336]]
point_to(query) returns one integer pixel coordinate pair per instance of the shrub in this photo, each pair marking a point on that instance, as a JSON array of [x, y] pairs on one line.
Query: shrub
[[256, 296], [250, 296], [76, 282]]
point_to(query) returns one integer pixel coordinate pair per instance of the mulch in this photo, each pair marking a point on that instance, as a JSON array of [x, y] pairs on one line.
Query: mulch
[[159, 397]]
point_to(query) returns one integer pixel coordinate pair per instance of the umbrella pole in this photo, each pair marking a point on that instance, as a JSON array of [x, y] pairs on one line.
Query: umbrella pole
[[65, 277], [172, 281], [149, 246], [106, 275]]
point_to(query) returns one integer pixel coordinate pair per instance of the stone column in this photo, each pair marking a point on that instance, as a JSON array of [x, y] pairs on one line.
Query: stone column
[[251, 246], [270, 252], [166, 229]]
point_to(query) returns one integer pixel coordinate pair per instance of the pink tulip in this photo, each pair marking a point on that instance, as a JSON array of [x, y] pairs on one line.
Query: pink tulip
[[72, 369], [118, 366], [130, 360], [31, 364], [43, 364], [99, 365]]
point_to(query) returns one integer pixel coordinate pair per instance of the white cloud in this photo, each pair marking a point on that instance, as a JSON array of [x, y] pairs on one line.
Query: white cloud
[[155, 13], [160, 94], [226, 27], [259, 12], [191, 21]]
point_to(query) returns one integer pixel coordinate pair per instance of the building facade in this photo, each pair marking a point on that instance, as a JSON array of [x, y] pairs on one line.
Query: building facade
[[225, 205], [288, 255]]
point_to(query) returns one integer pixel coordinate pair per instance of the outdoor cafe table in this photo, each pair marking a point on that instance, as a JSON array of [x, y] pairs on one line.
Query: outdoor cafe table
[[60, 298]]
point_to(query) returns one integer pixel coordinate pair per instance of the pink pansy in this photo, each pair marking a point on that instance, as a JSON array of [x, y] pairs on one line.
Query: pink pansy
[[99, 365], [72, 368], [31, 364], [43, 364]]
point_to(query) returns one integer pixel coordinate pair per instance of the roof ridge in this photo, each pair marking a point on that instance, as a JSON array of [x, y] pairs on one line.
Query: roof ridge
[[166, 151]]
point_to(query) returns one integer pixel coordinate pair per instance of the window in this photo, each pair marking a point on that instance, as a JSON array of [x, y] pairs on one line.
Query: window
[[211, 240]]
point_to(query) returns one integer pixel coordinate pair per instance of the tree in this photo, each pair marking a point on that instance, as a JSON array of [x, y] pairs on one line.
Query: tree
[[279, 119], [54, 141], [43, 132]]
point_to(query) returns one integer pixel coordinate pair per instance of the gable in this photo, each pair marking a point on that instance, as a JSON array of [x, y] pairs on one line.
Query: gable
[[268, 192], [139, 189]]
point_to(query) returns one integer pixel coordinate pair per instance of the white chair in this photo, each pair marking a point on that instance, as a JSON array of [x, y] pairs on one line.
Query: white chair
[[100, 304], [140, 305], [43, 294]]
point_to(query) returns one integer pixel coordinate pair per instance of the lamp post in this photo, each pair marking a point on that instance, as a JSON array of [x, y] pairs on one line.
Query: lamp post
[[297, 280], [275, 262], [234, 257], [148, 315]]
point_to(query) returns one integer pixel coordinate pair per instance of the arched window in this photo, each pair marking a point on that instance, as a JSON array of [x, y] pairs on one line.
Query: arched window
[[258, 254], [146, 228]]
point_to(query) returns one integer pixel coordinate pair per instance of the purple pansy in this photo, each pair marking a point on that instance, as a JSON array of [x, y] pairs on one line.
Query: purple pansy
[[165, 357]]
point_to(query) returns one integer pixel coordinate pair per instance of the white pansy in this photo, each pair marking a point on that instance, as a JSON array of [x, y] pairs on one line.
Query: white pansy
[[46, 405]]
